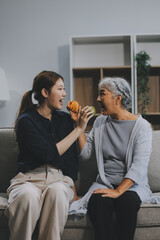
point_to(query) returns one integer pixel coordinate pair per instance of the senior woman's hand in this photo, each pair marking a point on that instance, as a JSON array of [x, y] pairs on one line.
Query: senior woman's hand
[[106, 192], [115, 193]]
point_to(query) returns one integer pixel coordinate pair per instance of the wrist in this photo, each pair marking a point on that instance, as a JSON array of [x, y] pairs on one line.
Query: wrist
[[76, 123], [118, 192], [79, 129]]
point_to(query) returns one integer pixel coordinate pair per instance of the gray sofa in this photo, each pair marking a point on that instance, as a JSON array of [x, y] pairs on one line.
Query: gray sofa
[[148, 224]]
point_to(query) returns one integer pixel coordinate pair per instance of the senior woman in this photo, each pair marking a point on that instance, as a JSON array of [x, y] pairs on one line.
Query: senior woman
[[121, 143]]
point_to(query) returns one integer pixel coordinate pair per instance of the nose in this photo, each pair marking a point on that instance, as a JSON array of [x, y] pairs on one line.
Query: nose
[[98, 99], [64, 93]]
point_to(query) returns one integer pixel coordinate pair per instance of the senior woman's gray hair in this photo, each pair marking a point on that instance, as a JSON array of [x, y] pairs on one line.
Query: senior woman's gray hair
[[118, 86]]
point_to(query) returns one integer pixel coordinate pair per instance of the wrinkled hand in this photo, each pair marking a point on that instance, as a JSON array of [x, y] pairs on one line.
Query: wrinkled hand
[[85, 115], [106, 192]]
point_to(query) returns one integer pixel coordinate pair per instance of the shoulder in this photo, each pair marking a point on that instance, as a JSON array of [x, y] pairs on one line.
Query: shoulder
[[100, 120], [28, 119], [142, 130], [143, 123]]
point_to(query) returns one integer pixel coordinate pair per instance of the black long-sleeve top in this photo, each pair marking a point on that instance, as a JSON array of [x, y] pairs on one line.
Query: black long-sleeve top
[[37, 137]]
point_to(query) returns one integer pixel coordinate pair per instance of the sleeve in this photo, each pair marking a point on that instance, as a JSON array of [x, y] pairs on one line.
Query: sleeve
[[141, 155], [30, 138]]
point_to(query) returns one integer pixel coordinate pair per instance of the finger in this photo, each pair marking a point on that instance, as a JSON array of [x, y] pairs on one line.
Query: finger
[[90, 116], [85, 108], [105, 195], [79, 109], [87, 114], [96, 191], [88, 109], [100, 190]]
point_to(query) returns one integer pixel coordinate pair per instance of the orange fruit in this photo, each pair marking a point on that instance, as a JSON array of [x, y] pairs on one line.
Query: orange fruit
[[73, 106]]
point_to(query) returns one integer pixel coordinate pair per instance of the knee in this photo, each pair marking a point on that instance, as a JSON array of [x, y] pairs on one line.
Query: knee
[[57, 191], [96, 201], [29, 199], [27, 202], [95, 198], [129, 201]]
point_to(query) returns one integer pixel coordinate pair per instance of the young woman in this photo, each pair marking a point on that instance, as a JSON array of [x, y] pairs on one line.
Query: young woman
[[47, 161], [122, 144]]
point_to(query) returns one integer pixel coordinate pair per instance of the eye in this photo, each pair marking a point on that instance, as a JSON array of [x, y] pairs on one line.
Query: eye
[[101, 94], [61, 88]]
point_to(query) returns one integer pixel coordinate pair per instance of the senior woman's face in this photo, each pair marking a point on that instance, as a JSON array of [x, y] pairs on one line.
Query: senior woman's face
[[106, 101]]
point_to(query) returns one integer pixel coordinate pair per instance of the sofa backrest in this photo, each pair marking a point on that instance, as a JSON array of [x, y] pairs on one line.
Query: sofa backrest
[[154, 163], [87, 169]]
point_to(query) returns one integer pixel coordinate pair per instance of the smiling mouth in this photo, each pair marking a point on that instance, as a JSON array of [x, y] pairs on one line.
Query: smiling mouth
[[61, 100], [102, 106]]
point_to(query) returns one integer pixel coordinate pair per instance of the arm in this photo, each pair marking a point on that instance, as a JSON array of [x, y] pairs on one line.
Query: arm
[[81, 141], [63, 145], [142, 148], [82, 138]]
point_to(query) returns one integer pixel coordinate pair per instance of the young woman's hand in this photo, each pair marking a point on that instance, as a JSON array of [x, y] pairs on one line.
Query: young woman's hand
[[75, 194], [75, 116]]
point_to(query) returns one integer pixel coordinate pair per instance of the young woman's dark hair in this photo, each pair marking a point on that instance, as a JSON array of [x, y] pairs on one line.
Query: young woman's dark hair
[[45, 79]]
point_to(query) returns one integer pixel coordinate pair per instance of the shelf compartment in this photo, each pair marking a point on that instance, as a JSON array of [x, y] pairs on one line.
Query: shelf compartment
[[86, 87], [101, 51]]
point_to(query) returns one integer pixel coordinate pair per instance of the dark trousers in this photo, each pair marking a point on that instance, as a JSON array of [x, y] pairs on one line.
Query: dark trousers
[[101, 210]]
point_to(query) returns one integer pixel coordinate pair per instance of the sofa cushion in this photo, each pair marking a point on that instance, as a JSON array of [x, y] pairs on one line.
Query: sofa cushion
[[154, 163], [3, 205], [3, 200], [8, 157], [86, 176]]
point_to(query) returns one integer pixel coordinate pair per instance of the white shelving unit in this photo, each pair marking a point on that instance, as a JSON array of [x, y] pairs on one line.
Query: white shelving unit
[[95, 57]]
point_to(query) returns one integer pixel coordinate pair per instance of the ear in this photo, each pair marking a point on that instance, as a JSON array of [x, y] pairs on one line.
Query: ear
[[44, 93], [118, 100]]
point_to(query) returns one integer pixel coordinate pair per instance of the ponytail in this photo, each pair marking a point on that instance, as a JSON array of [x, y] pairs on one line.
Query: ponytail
[[25, 106]]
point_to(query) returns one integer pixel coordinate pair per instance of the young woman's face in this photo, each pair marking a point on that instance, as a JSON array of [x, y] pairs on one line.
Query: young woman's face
[[57, 95], [106, 101]]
